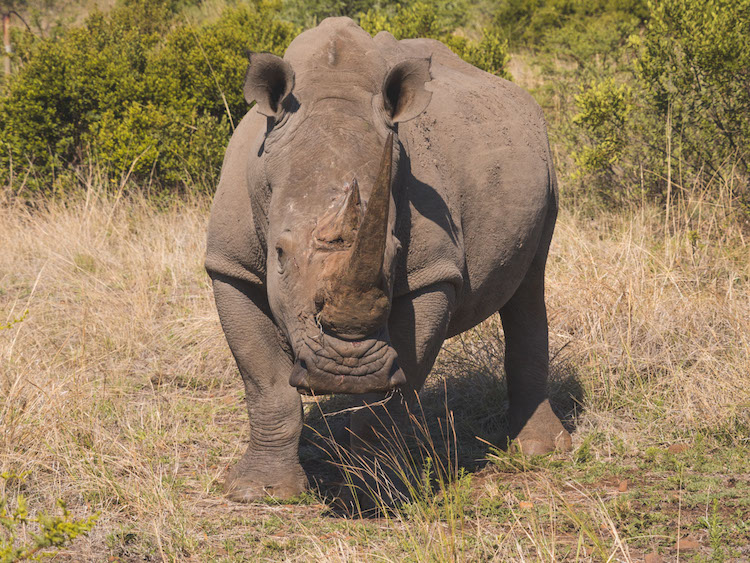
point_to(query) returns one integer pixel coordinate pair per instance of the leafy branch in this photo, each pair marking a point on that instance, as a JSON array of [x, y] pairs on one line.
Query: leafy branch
[[53, 531], [12, 322]]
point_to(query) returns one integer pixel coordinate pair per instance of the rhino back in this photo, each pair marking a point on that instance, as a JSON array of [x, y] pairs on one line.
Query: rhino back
[[480, 153]]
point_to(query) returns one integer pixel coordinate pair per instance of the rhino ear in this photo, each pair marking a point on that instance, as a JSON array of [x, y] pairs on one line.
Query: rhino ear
[[404, 94], [268, 82]]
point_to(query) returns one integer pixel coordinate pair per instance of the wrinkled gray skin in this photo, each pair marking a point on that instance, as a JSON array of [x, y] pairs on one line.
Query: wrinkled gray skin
[[305, 297]]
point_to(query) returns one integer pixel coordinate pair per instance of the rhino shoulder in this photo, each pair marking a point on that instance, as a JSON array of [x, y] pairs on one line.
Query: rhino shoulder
[[233, 248], [395, 50]]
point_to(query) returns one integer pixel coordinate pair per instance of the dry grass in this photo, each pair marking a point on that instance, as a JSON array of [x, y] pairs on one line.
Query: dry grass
[[658, 325], [118, 394]]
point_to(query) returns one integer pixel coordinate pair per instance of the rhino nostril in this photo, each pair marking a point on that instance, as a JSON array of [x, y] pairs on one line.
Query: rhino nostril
[[319, 301], [398, 377], [298, 376]]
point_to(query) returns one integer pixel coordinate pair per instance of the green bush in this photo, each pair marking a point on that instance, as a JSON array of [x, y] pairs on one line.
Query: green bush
[[604, 108], [424, 20], [686, 104], [145, 95], [136, 90], [537, 22], [694, 64], [310, 13], [139, 91], [450, 13]]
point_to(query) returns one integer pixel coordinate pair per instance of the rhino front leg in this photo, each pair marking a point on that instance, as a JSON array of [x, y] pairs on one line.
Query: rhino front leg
[[536, 429], [270, 466]]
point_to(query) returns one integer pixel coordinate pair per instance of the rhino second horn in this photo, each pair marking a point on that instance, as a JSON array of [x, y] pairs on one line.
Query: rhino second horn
[[340, 228], [346, 222], [351, 212]]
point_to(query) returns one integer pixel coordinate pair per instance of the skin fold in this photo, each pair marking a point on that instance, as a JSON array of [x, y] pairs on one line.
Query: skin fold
[[380, 197]]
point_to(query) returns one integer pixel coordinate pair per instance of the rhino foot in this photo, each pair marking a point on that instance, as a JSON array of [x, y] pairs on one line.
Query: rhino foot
[[251, 486], [542, 433]]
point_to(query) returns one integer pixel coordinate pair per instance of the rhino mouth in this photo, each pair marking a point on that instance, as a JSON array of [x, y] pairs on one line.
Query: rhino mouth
[[328, 365]]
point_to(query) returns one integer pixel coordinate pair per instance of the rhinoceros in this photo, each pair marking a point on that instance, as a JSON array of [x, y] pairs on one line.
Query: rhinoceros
[[379, 197]]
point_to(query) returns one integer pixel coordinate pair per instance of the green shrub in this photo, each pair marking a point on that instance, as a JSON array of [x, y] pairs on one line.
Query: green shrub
[[686, 104], [694, 64], [489, 54], [146, 95], [408, 21], [450, 13], [596, 42], [424, 20], [137, 90], [604, 108], [310, 13], [535, 22]]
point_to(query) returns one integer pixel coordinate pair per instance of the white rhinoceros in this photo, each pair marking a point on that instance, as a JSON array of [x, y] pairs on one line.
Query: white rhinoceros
[[380, 197]]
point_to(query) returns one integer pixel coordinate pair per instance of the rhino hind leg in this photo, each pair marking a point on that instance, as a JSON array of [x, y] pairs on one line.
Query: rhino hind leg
[[270, 466], [534, 427]]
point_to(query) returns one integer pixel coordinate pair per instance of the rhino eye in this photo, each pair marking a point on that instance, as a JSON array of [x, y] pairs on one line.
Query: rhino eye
[[280, 259], [284, 250]]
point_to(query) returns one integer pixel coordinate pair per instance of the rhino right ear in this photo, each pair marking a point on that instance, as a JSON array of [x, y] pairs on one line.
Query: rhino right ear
[[268, 82], [404, 94]]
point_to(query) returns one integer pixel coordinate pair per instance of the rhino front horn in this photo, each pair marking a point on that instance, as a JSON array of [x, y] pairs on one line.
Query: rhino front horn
[[356, 303], [366, 260]]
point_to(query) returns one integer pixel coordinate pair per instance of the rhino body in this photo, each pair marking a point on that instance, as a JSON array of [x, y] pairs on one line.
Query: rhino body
[[380, 197]]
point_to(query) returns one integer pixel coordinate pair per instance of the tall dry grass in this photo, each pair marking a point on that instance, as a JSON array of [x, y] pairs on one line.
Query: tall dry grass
[[658, 324], [119, 394], [116, 384]]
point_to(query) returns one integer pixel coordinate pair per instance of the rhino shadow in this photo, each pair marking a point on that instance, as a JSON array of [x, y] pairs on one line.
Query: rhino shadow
[[425, 199], [461, 418]]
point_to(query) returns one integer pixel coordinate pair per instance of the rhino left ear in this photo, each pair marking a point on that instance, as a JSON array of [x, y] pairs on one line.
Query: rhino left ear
[[268, 82], [404, 94]]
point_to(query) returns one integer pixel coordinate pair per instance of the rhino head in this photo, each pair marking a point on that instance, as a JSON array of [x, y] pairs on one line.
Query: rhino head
[[330, 164]]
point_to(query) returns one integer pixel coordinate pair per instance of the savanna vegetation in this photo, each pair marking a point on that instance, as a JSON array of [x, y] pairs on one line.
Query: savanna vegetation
[[120, 404]]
